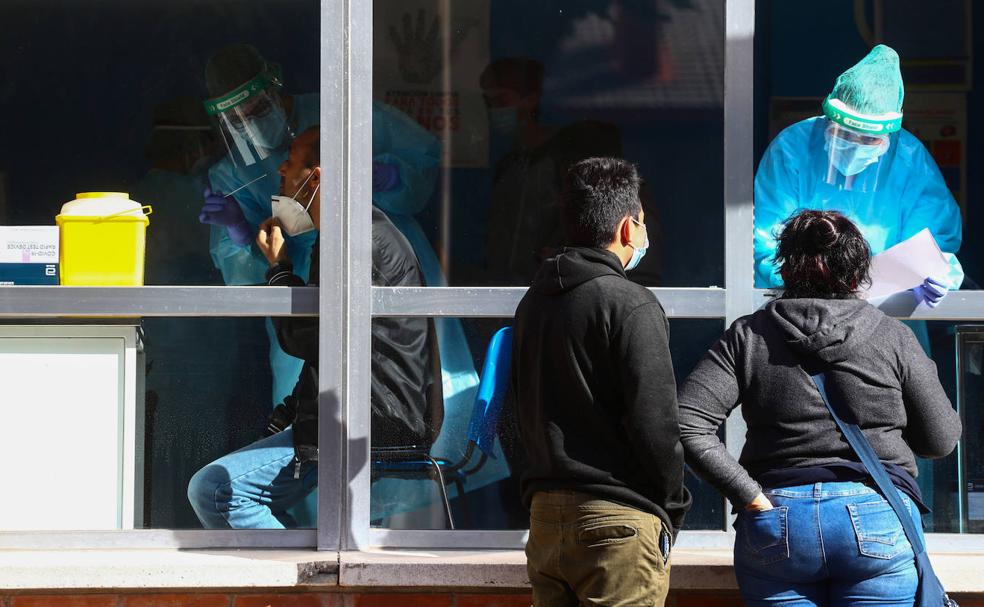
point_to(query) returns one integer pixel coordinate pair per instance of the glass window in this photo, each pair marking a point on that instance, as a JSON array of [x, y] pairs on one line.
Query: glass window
[[939, 100], [480, 108], [159, 101], [131, 410], [109, 97], [477, 449]]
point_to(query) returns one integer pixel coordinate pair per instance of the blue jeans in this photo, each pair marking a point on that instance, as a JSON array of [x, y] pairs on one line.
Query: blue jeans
[[252, 488], [826, 544]]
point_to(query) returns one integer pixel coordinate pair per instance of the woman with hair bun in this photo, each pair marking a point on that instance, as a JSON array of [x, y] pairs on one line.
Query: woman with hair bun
[[811, 527]]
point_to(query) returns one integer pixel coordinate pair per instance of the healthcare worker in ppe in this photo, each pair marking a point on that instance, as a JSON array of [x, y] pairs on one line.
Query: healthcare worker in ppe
[[857, 159], [257, 122]]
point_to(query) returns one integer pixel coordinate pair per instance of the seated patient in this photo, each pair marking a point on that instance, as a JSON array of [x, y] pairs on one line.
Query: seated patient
[[254, 487]]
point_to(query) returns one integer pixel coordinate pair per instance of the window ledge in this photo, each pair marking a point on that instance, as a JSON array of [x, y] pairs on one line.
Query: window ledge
[[694, 569]]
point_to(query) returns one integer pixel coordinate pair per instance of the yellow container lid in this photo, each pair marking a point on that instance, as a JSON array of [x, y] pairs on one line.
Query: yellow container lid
[[81, 195], [116, 205]]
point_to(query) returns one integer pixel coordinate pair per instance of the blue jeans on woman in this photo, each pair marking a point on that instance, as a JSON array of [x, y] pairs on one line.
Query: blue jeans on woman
[[252, 488], [825, 545]]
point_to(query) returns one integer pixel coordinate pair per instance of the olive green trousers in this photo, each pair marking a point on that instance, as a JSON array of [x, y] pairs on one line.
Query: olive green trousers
[[586, 551]]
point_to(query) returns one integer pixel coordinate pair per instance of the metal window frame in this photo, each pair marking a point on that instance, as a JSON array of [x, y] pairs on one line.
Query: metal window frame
[[738, 298], [709, 303], [348, 305]]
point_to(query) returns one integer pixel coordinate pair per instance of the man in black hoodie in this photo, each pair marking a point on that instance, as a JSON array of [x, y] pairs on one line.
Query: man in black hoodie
[[596, 402]]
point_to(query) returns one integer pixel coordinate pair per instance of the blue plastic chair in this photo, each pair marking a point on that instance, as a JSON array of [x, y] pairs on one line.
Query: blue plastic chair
[[492, 388]]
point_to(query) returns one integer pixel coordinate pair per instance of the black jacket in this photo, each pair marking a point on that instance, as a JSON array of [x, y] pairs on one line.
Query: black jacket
[[594, 387], [402, 375]]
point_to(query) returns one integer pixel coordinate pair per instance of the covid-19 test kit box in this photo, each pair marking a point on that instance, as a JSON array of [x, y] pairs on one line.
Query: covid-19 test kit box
[[28, 255]]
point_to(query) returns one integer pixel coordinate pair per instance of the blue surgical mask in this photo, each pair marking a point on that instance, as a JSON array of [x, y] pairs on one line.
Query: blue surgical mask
[[851, 158], [638, 252], [268, 131], [504, 120]]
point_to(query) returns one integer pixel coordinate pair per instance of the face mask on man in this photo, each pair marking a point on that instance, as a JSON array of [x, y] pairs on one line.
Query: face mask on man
[[638, 252], [292, 215], [850, 158]]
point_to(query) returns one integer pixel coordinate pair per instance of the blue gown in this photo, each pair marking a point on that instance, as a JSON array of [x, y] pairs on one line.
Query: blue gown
[[910, 195], [244, 264], [398, 139]]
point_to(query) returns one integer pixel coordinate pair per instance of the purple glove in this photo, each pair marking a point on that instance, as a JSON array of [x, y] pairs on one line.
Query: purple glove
[[222, 211], [385, 176], [929, 292]]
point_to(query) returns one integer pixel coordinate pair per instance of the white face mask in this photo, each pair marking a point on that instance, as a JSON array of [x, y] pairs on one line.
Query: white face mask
[[293, 216]]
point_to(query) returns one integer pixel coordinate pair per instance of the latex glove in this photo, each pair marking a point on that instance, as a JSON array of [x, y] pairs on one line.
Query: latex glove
[[385, 176], [224, 211], [929, 292], [270, 240]]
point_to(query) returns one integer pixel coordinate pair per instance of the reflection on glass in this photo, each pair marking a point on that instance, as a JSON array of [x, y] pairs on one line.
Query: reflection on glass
[[514, 92], [970, 462], [480, 456], [207, 386]]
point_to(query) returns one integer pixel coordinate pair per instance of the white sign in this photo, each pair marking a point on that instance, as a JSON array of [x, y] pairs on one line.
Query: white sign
[[28, 244], [427, 59]]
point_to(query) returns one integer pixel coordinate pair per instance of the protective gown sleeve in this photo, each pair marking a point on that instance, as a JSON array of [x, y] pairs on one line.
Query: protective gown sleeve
[[397, 139], [776, 198], [928, 203], [239, 264]]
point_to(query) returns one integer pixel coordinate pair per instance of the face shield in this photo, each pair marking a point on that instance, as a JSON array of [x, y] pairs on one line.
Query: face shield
[[251, 119], [857, 147]]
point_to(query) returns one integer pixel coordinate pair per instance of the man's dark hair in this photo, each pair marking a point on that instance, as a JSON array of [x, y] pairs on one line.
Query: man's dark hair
[[822, 254], [597, 194]]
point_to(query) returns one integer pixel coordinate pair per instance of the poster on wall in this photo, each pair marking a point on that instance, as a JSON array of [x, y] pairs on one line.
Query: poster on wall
[[939, 120], [427, 58]]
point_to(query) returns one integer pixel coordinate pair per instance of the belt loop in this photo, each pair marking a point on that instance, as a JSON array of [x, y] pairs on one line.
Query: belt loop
[[817, 490]]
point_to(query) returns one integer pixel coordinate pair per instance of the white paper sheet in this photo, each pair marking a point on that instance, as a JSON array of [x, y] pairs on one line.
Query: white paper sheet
[[906, 265]]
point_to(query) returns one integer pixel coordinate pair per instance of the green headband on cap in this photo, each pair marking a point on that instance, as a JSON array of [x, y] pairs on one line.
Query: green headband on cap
[[241, 93], [837, 111]]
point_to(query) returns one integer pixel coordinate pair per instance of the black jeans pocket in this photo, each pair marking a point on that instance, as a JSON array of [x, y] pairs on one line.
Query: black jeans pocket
[[764, 536]]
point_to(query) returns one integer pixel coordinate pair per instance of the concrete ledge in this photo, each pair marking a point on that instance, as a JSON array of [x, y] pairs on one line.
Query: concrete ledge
[[694, 570], [151, 569]]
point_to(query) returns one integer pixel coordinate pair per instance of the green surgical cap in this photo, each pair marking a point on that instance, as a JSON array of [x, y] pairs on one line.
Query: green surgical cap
[[874, 85]]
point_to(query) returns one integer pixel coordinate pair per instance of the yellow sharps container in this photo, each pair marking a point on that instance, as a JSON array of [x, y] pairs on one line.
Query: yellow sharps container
[[103, 236]]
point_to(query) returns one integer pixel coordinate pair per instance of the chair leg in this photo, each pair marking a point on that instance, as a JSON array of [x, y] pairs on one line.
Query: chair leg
[[444, 490], [460, 486]]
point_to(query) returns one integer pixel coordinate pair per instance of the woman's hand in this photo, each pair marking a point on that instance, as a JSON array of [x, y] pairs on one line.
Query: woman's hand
[[759, 504]]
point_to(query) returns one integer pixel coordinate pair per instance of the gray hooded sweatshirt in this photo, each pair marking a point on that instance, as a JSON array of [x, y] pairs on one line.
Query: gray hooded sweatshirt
[[874, 364]]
